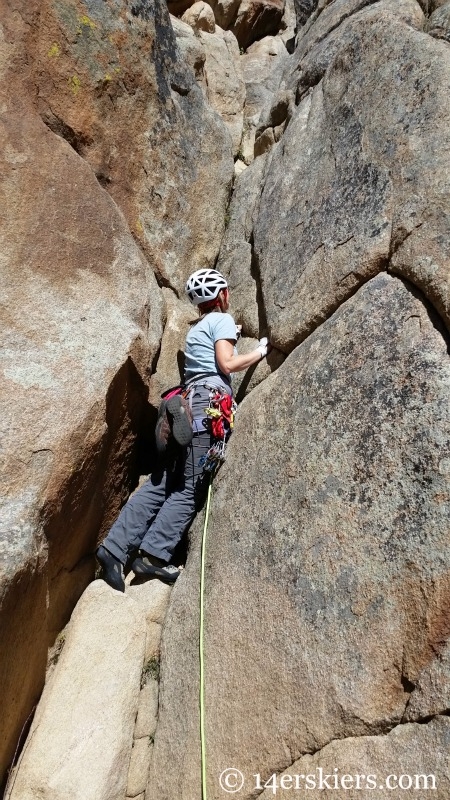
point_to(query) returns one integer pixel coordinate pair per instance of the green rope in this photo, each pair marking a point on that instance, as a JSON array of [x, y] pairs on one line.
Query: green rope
[[202, 663]]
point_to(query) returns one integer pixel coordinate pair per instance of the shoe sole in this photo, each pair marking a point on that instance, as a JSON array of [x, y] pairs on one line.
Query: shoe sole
[[153, 572], [181, 428], [110, 576]]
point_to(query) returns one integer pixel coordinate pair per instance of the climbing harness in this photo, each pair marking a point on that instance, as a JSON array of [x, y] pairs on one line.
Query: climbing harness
[[201, 648]]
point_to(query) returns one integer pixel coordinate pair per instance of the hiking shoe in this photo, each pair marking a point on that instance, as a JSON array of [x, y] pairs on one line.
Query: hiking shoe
[[181, 424], [111, 569], [146, 564]]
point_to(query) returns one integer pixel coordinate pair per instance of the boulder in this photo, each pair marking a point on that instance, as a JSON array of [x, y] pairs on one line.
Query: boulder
[[80, 740], [95, 82], [224, 11], [257, 18], [337, 602], [409, 757], [191, 49], [225, 85], [81, 316], [262, 67], [438, 25], [200, 17], [321, 42], [357, 184]]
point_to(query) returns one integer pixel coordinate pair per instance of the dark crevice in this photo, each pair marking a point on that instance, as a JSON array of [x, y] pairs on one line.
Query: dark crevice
[[433, 313], [385, 732], [256, 275], [305, 87], [77, 140], [345, 16], [302, 337], [400, 238], [104, 180], [164, 282], [408, 685]]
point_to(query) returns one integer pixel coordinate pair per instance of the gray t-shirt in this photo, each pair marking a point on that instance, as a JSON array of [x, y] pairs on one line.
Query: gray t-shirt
[[200, 355]]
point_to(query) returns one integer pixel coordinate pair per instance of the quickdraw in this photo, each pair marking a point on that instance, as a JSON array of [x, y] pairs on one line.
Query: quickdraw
[[220, 414]]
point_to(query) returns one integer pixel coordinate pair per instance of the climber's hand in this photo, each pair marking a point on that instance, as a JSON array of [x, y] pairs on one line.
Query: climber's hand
[[264, 346]]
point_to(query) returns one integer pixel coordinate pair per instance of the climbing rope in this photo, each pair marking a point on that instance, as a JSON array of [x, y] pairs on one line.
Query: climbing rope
[[202, 662]]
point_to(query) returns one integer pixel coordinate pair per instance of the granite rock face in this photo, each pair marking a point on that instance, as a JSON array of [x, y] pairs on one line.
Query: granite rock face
[[409, 760], [99, 71], [236, 255], [364, 189], [113, 169], [262, 65], [328, 564], [225, 85], [338, 601], [80, 740], [81, 318]]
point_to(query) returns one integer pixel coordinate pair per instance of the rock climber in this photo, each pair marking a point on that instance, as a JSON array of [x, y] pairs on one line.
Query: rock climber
[[155, 518]]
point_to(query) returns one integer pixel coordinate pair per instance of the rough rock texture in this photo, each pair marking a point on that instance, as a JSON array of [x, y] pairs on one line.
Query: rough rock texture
[[139, 764], [337, 602], [303, 10], [191, 49], [100, 71], [434, 4], [262, 67], [225, 85], [438, 24], [81, 318], [317, 50], [274, 121], [147, 711], [214, 57], [431, 695], [170, 367], [244, 382], [257, 18], [79, 743], [97, 113], [236, 255], [200, 17], [410, 757], [368, 152], [153, 599]]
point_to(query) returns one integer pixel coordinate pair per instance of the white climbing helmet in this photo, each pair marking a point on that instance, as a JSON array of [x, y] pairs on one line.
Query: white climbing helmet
[[204, 285]]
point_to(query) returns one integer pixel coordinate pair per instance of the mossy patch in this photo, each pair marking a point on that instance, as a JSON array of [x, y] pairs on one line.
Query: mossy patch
[[74, 84], [54, 51]]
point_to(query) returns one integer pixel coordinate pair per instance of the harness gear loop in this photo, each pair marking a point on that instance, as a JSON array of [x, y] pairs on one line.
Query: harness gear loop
[[201, 647]]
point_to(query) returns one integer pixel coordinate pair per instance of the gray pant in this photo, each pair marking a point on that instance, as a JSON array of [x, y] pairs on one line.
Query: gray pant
[[156, 516]]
